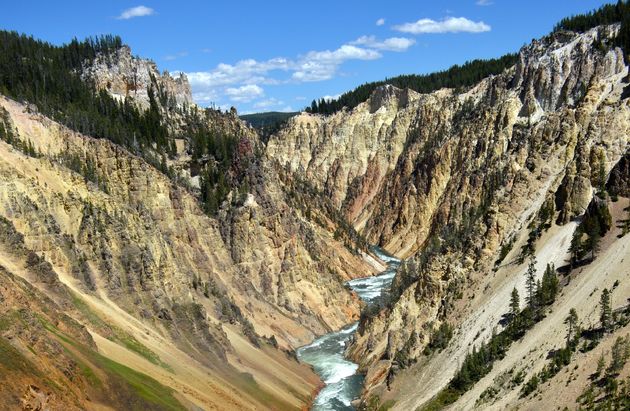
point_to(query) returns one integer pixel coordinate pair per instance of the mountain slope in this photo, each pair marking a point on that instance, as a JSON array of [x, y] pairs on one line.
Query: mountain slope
[[210, 306], [460, 180]]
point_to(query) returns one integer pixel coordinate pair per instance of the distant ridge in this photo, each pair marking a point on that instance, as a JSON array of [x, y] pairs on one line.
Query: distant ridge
[[267, 119]]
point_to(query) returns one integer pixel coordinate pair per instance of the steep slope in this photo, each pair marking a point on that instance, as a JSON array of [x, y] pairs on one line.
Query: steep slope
[[50, 361], [210, 307], [454, 180], [352, 155], [126, 274], [349, 154], [527, 149]]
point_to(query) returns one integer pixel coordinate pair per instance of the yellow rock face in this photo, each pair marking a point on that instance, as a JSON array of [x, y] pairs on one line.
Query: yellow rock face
[[142, 255], [418, 173]]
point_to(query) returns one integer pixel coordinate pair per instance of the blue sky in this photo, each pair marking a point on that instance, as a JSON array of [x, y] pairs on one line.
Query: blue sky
[[279, 55]]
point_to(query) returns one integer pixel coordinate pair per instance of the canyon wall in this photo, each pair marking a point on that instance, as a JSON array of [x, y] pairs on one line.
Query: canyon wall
[[449, 179]]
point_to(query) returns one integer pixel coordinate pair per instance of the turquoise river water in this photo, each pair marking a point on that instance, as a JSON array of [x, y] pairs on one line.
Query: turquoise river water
[[326, 353]]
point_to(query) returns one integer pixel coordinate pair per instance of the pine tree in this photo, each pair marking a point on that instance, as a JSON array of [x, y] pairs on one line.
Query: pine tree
[[530, 282], [601, 364], [594, 237], [549, 285], [571, 321], [620, 354], [515, 304], [602, 174], [605, 316], [625, 227], [576, 246]]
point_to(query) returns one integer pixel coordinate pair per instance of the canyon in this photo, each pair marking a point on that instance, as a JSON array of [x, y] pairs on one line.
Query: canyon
[[121, 290]]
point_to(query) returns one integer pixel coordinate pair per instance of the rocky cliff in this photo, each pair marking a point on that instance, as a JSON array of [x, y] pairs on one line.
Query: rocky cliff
[[124, 75], [452, 178], [349, 154], [546, 132], [412, 152], [210, 307]]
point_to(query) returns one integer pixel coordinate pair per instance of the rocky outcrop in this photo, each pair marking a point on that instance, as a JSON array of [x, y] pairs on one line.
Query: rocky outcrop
[[619, 180], [124, 75], [349, 154], [401, 163]]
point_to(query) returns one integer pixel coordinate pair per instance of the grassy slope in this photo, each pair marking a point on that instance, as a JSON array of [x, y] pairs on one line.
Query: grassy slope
[[33, 350]]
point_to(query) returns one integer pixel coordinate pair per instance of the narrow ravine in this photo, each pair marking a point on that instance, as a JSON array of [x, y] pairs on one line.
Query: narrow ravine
[[326, 354]]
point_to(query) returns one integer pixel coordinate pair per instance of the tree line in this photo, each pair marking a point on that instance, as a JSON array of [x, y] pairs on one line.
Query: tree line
[[457, 76], [587, 236], [48, 77], [472, 72], [609, 320], [607, 14], [540, 294]]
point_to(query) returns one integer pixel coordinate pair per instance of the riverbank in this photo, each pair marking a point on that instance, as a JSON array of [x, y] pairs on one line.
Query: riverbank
[[326, 354]]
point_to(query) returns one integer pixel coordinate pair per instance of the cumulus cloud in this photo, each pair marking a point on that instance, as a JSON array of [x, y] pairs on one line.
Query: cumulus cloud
[[138, 11], [484, 2], [313, 66], [328, 97], [242, 81], [447, 25], [322, 65], [244, 94], [247, 71], [380, 21], [205, 96], [390, 44]]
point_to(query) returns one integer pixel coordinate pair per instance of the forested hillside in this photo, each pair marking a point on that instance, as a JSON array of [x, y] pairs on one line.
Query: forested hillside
[[48, 77], [458, 76], [469, 73]]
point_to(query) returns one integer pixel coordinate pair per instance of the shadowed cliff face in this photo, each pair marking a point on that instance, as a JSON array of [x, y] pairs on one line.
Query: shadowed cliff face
[[449, 177]]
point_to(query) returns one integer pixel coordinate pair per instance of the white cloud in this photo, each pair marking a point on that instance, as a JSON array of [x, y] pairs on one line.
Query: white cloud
[[313, 66], [390, 44], [175, 56], [447, 25], [138, 11], [330, 98], [484, 2], [205, 96], [322, 65], [244, 94], [268, 103], [380, 21], [241, 81], [247, 71]]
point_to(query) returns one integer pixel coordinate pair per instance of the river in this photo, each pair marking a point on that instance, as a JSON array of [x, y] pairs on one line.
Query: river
[[326, 353]]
